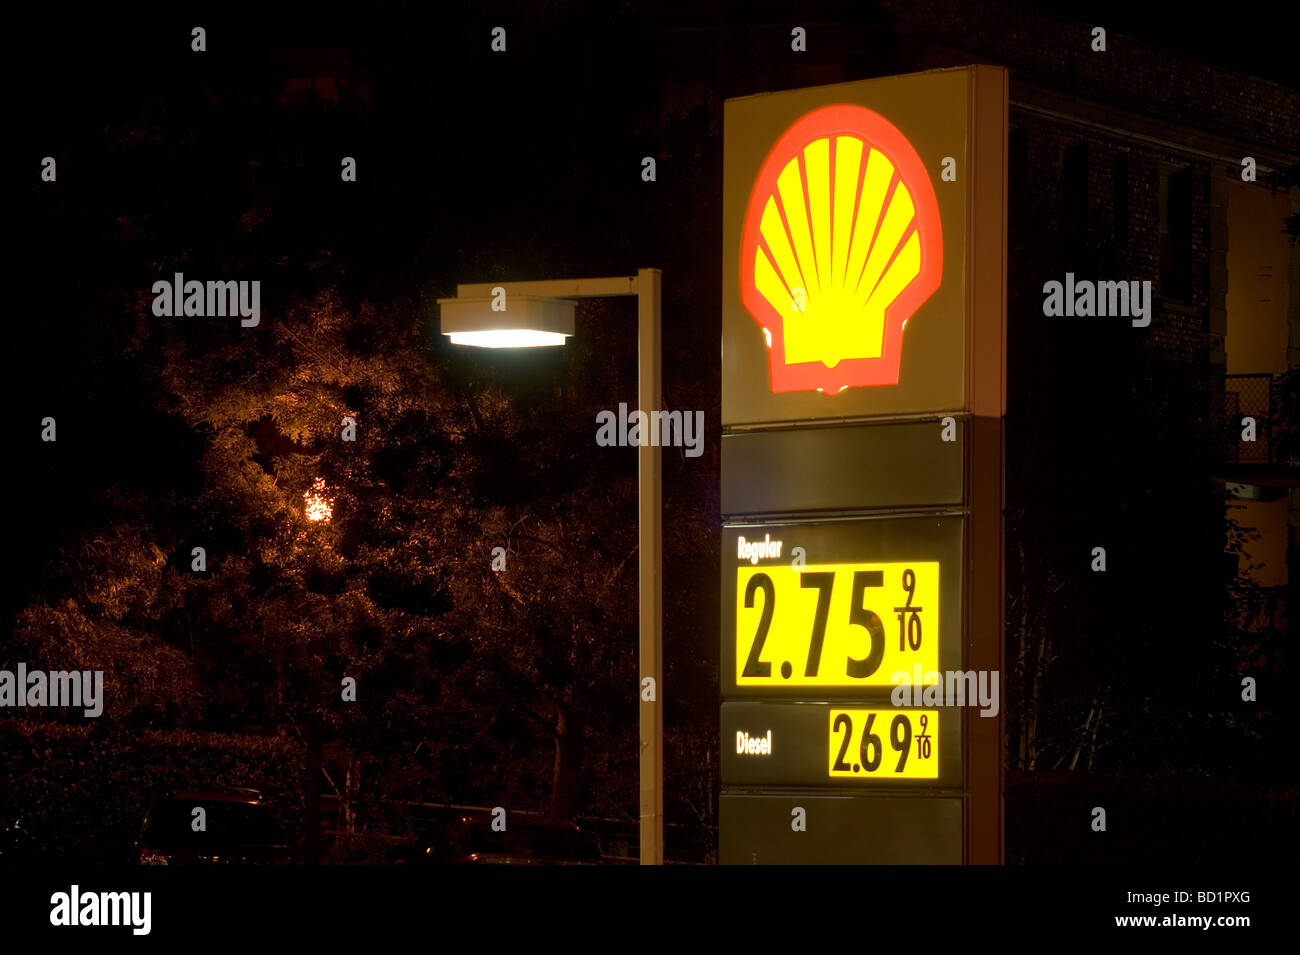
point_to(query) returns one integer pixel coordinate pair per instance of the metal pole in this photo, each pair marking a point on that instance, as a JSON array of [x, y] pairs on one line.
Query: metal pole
[[650, 531], [647, 287]]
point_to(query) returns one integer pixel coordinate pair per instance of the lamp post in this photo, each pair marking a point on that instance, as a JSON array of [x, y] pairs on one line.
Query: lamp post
[[524, 314]]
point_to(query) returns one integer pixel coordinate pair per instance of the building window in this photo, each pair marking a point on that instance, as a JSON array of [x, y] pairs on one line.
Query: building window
[[1119, 182], [1018, 205], [1018, 153], [1075, 186], [1176, 235]]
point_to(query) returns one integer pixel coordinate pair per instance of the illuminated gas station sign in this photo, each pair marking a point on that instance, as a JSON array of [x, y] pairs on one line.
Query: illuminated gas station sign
[[863, 353], [858, 220], [842, 242]]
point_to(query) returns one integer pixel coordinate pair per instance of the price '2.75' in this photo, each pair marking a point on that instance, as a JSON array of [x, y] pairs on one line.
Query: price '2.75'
[[859, 615], [760, 587]]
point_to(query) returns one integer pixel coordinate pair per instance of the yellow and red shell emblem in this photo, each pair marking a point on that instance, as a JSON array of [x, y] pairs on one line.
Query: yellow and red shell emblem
[[842, 244]]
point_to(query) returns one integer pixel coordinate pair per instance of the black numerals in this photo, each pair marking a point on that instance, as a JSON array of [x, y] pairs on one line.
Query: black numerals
[[823, 581], [754, 667], [844, 721], [860, 616]]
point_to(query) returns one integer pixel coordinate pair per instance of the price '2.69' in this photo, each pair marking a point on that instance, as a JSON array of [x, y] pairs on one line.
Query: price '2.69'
[[888, 744]]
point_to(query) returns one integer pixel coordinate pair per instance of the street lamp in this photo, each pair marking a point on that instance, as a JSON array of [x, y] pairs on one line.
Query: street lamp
[[507, 321], [525, 314]]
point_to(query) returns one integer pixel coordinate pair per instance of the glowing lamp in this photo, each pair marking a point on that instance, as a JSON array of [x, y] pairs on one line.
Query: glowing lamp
[[517, 321], [318, 508]]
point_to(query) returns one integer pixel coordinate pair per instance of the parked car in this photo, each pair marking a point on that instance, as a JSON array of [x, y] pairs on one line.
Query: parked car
[[470, 839], [239, 828]]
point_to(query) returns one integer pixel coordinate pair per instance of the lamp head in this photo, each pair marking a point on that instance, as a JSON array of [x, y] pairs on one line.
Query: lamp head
[[520, 321]]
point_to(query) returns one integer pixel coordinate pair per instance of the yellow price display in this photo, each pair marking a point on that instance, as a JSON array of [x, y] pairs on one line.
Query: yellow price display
[[889, 744], [853, 625]]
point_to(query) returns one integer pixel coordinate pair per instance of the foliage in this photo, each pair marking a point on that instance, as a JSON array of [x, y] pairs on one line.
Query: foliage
[[82, 792]]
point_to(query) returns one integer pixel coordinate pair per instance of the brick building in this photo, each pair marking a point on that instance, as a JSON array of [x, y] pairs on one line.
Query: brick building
[[1125, 163], [1154, 188]]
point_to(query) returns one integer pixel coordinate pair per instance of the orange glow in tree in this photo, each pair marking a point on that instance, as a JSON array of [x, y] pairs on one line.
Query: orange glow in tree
[[318, 506]]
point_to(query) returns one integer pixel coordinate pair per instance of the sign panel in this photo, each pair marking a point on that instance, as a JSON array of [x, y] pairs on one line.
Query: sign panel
[[841, 244], [901, 464], [860, 746], [818, 744], [833, 624], [844, 249], [839, 830], [863, 387], [875, 604]]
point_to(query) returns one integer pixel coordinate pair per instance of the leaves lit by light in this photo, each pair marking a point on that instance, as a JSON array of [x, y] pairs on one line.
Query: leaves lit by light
[[318, 506]]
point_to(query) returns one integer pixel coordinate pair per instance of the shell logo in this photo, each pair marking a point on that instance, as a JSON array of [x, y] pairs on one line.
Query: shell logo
[[842, 244]]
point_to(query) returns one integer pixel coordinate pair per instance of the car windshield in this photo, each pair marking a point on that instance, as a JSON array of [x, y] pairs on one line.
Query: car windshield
[[170, 821]]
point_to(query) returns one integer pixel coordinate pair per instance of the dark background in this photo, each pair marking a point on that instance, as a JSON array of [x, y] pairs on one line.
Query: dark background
[[475, 166]]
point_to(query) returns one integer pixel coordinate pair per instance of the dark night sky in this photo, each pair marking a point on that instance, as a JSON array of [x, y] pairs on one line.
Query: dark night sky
[[470, 165]]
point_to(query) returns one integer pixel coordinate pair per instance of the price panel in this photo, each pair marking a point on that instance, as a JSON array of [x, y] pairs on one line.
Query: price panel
[[861, 746], [840, 609], [836, 625], [754, 829], [883, 744]]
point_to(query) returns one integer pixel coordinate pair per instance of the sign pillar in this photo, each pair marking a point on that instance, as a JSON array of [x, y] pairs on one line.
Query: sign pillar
[[986, 646], [863, 380], [649, 285]]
